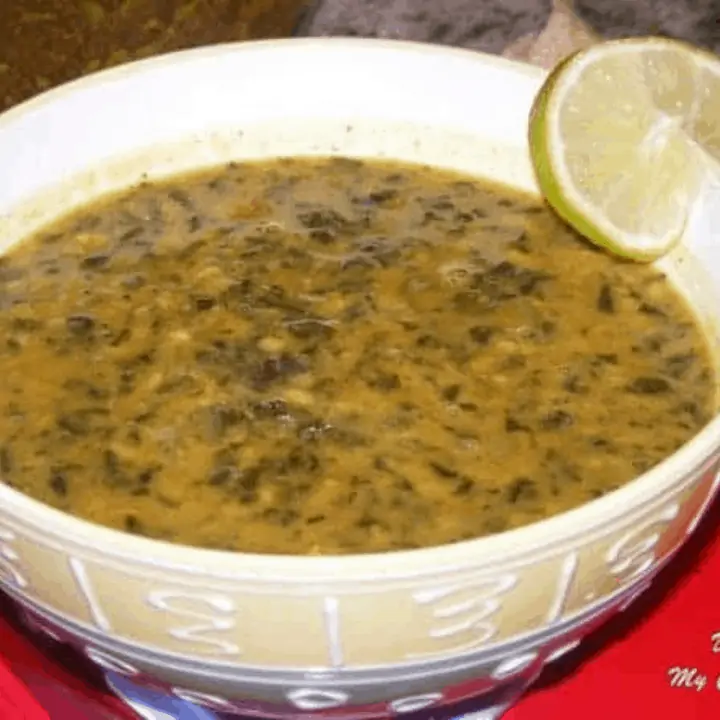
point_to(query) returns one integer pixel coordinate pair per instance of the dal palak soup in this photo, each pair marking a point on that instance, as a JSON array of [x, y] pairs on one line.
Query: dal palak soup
[[334, 356]]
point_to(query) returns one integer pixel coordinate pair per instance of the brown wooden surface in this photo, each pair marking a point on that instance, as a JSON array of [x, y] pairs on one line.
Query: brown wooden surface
[[46, 42]]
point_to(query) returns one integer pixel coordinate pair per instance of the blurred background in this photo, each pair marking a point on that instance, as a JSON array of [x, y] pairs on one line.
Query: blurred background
[[46, 42]]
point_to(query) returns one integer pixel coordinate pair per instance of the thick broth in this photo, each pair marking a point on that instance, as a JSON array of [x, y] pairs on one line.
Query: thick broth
[[328, 356]]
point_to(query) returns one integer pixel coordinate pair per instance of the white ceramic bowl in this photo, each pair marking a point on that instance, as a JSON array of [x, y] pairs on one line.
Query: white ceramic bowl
[[361, 636]]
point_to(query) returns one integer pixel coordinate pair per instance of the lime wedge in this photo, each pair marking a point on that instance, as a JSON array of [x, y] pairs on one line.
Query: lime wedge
[[623, 135]]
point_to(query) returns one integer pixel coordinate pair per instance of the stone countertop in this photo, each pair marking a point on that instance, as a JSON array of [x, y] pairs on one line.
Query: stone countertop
[[541, 31]]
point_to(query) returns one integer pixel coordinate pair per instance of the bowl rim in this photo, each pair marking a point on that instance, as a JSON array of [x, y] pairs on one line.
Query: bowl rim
[[545, 535]]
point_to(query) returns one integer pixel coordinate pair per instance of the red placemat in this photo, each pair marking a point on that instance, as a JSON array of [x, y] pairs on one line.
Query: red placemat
[[44, 683], [656, 661]]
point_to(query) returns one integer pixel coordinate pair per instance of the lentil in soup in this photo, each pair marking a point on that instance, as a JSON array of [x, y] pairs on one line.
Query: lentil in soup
[[334, 356]]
